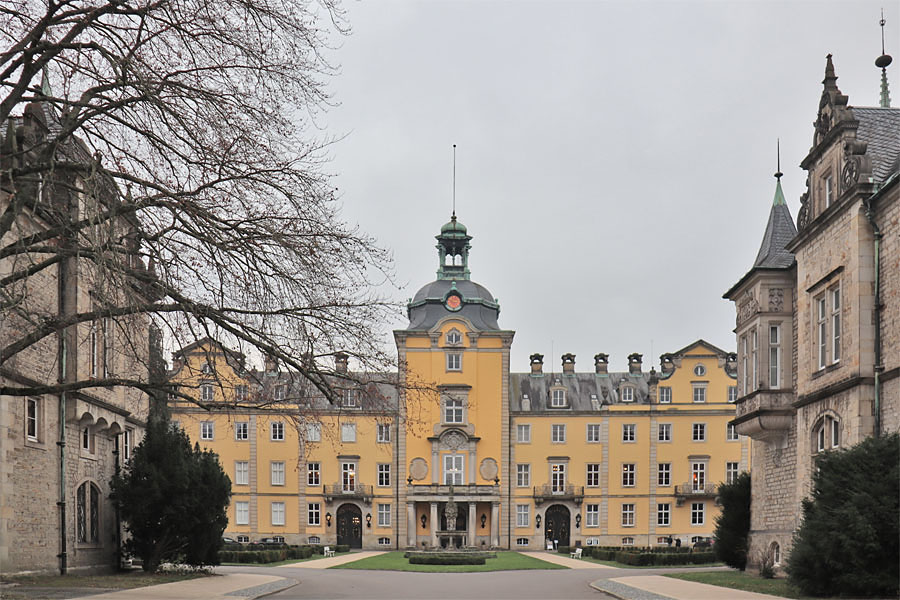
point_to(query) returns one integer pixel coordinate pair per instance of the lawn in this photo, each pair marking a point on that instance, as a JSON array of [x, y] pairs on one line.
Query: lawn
[[60, 586], [742, 581], [505, 561]]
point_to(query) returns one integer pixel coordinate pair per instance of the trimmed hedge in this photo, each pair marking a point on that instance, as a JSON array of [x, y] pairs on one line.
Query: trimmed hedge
[[641, 557], [412, 553], [265, 556], [446, 559]]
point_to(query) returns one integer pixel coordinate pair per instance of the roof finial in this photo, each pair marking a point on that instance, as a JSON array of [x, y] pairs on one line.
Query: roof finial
[[830, 80], [454, 182], [882, 62], [778, 172]]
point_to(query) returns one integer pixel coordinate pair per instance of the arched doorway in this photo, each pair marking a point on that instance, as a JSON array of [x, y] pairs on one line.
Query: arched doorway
[[349, 526], [556, 527]]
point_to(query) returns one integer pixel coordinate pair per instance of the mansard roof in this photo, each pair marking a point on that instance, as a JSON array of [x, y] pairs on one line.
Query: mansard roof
[[585, 392]]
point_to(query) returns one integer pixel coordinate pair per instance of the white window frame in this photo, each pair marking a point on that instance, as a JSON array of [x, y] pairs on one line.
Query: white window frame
[[313, 473], [629, 474], [32, 419], [829, 190], [592, 515], [664, 432], [745, 368], [240, 393], [523, 433], [593, 433], [313, 514], [383, 435], [207, 430], [276, 472], [384, 475], [592, 475], [313, 432], [731, 434], [276, 431], [663, 514], [698, 476], [698, 432], [629, 432], [127, 443], [558, 398], [523, 475], [821, 331], [454, 361], [698, 513], [242, 512], [384, 515], [279, 392], [732, 394], [241, 472], [523, 515], [454, 411], [774, 356], [627, 394], [241, 431], [277, 513], [348, 433], [699, 393], [664, 474], [665, 394], [628, 515], [731, 471], [454, 469], [835, 294], [558, 478], [558, 433], [207, 392], [349, 470], [754, 353], [454, 337]]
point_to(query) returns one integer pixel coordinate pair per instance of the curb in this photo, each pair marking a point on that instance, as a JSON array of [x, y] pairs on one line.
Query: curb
[[624, 592], [265, 589]]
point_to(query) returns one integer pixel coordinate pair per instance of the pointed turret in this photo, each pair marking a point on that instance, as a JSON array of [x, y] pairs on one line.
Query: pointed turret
[[453, 250], [779, 231]]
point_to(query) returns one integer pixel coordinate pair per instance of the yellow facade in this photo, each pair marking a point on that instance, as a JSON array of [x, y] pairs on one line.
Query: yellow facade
[[464, 453]]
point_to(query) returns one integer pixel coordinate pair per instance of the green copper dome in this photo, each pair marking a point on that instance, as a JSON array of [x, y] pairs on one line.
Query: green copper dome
[[453, 226]]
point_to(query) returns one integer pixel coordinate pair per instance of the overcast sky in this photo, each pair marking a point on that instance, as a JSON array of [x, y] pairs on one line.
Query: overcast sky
[[614, 160]]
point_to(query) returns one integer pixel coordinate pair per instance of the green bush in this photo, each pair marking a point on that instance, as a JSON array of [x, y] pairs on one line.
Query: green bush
[[733, 523], [849, 541], [342, 548], [563, 549], [446, 559]]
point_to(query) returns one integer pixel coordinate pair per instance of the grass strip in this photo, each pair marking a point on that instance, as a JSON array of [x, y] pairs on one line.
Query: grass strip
[[505, 561], [747, 582]]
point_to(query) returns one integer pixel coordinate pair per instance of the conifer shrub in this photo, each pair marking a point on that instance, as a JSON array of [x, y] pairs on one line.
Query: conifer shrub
[[733, 523], [849, 541]]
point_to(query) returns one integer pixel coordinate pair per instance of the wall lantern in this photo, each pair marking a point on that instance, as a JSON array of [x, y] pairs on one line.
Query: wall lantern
[[577, 521], [537, 521], [496, 481], [369, 520], [328, 519], [424, 520], [483, 520], [409, 480]]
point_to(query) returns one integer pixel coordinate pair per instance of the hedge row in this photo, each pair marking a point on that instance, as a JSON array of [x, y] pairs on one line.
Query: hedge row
[[283, 552], [643, 556], [413, 553], [446, 559], [638, 549]]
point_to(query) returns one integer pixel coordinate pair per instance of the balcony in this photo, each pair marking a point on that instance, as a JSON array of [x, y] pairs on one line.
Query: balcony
[[435, 489], [690, 490], [337, 491], [765, 415], [551, 492]]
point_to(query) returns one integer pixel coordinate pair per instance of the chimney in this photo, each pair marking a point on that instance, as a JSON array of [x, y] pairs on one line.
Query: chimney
[[537, 364], [271, 364], [634, 363], [666, 364], [568, 363], [601, 364], [340, 362]]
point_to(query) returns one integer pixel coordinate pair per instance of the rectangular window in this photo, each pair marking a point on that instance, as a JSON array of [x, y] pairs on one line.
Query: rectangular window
[[664, 432], [628, 394], [523, 434], [663, 514], [829, 191], [348, 432], [698, 476], [731, 472], [384, 432], [558, 433], [699, 393], [731, 433], [835, 325], [664, 474], [314, 514], [745, 373], [558, 399], [240, 393], [628, 432], [280, 392], [774, 356], [628, 515], [835, 433], [207, 392], [821, 328], [384, 515], [313, 432], [128, 443], [278, 513], [593, 432], [242, 513], [242, 430], [593, 475], [87, 440], [206, 430], [592, 515], [522, 541], [523, 515], [628, 470], [350, 399], [384, 475], [32, 419], [732, 393], [665, 395], [820, 438], [313, 473], [453, 410], [699, 432], [95, 348], [241, 472], [698, 513], [754, 383], [558, 478], [523, 475], [454, 361], [348, 477], [277, 472], [277, 431], [454, 469]]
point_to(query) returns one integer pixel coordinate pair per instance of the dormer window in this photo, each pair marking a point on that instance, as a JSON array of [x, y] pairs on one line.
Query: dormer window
[[280, 392], [350, 399], [205, 369], [558, 398], [628, 394], [454, 337]]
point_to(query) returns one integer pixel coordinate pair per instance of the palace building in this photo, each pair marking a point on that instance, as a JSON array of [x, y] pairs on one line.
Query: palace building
[[455, 450]]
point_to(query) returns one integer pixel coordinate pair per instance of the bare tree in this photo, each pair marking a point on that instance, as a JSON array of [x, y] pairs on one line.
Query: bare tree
[[171, 146]]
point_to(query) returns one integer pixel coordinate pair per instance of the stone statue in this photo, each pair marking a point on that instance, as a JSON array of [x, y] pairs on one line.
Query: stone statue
[[450, 512]]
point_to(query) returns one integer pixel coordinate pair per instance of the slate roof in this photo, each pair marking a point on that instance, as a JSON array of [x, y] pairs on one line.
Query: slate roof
[[479, 305], [580, 387], [880, 129], [779, 231]]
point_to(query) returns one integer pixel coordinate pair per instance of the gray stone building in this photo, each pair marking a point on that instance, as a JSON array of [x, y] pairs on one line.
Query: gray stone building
[[818, 314], [64, 427]]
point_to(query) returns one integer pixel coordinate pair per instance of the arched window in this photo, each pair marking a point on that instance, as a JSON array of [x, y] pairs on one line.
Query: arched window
[[87, 513], [827, 434], [457, 260], [448, 260], [775, 552], [454, 337]]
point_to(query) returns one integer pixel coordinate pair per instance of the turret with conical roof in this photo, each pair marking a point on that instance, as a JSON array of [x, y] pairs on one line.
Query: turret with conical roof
[[780, 230]]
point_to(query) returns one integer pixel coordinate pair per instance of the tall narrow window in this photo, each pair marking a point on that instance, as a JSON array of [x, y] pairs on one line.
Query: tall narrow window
[[628, 394], [523, 516], [454, 469], [207, 392], [127, 443], [242, 430], [699, 392], [663, 514], [523, 475], [593, 432], [523, 434], [754, 383], [665, 395], [628, 515], [731, 472], [278, 513], [348, 432], [745, 373], [593, 475], [384, 475], [277, 472], [592, 515], [454, 361], [241, 472], [558, 433], [384, 433], [664, 474], [664, 432], [628, 432], [87, 513], [698, 476], [313, 472], [314, 513], [821, 329], [829, 191], [106, 341], [32, 416], [835, 325], [558, 478], [348, 477], [698, 513], [242, 513], [384, 515], [774, 357], [628, 473], [95, 348], [731, 433], [277, 431], [558, 398], [206, 430], [732, 393]]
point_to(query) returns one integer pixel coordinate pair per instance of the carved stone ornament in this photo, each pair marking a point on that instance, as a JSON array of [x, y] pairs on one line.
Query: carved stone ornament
[[850, 174], [488, 469], [454, 440], [418, 469], [776, 299], [803, 213], [747, 307]]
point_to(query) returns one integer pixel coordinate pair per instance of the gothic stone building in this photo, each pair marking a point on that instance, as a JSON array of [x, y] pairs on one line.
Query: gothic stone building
[[818, 318]]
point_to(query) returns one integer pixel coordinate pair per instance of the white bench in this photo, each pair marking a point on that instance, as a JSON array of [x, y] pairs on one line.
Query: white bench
[[577, 553], [328, 551]]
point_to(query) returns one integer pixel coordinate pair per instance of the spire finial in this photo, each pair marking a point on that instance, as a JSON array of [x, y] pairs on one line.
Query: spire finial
[[778, 172], [882, 62], [830, 80], [454, 182]]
